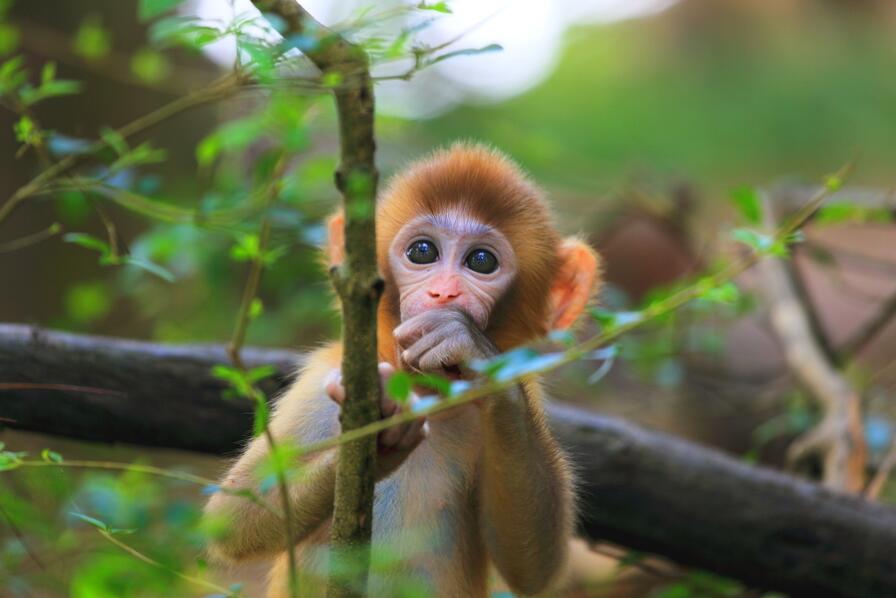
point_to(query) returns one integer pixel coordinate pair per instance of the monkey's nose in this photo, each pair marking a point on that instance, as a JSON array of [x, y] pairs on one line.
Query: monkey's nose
[[443, 296]]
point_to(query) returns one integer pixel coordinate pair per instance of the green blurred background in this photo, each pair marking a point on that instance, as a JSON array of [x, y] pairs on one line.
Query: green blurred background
[[639, 128]]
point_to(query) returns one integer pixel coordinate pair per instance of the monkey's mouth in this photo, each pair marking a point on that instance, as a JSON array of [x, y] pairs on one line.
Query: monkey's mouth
[[452, 372]]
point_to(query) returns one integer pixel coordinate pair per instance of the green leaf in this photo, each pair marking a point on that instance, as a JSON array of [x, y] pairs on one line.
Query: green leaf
[[467, 52], [150, 66], [435, 382], [115, 140], [91, 520], [48, 72], [256, 308], [260, 373], [149, 9], [248, 247], [727, 293], [87, 302], [91, 40], [331, 79], [118, 531], [271, 256], [12, 74], [759, 242], [208, 149], [399, 386], [139, 156], [50, 456], [833, 183], [260, 421], [183, 31], [24, 130], [747, 201], [9, 38], [88, 241], [148, 207], [10, 460], [50, 89], [441, 7], [398, 46], [150, 267], [842, 212], [612, 319]]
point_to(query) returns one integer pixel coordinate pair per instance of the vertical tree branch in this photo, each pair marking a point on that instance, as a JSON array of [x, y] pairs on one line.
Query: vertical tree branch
[[359, 287], [234, 350], [838, 440]]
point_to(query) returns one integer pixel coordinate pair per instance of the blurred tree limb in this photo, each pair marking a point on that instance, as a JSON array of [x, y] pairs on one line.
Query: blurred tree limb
[[644, 490], [838, 441]]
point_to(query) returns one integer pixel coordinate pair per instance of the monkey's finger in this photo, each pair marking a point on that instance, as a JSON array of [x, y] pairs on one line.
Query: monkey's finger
[[414, 433], [388, 407], [439, 356], [415, 327], [413, 354], [386, 370], [333, 387], [390, 436]]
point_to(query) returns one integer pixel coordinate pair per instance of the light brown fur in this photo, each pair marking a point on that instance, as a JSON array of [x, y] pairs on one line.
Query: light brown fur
[[488, 485]]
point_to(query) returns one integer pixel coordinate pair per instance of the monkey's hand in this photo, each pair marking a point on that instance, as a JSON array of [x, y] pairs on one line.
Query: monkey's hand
[[442, 341], [395, 444]]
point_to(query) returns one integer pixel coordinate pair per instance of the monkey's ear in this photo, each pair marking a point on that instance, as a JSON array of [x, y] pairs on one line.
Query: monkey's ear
[[336, 239], [574, 282]]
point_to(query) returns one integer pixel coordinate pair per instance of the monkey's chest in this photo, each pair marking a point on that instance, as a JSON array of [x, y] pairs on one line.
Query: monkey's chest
[[425, 519]]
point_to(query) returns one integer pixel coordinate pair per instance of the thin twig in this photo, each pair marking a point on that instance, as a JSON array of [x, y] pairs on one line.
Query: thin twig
[[20, 538], [868, 331], [255, 268], [221, 88], [32, 239], [60, 387], [873, 489], [149, 560], [233, 349], [247, 493]]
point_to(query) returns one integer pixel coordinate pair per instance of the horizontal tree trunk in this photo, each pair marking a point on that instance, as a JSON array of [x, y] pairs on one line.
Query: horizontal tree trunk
[[645, 490]]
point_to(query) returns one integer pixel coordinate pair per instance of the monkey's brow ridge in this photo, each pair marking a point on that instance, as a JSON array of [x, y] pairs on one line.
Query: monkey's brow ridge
[[458, 222]]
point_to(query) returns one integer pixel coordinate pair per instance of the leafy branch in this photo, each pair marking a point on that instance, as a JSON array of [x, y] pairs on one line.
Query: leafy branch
[[10, 460], [516, 366], [221, 88]]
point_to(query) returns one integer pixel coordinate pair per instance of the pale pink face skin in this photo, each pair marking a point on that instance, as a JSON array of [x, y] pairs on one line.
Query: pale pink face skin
[[449, 281]]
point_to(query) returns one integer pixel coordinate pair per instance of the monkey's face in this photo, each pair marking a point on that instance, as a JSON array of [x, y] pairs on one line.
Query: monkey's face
[[451, 260]]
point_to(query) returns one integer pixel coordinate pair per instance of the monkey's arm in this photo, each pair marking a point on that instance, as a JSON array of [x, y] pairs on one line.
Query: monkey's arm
[[525, 491], [304, 414]]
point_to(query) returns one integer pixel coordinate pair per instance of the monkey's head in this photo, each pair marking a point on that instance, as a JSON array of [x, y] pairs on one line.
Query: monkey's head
[[465, 228]]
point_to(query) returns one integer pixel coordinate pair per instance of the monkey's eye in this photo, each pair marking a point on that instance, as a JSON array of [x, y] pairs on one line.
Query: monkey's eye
[[422, 252], [482, 261]]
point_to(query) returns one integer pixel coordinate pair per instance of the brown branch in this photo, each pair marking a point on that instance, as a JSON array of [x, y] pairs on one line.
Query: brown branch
[[838, 441], [636, 488], [876, 485], [359, 287], [868, 331], [789, 198]]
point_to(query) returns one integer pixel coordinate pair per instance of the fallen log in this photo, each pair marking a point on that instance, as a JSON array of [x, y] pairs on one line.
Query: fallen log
[[641, 489]]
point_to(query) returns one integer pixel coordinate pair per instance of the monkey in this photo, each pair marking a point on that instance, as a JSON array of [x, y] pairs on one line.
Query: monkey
[[473, 266]]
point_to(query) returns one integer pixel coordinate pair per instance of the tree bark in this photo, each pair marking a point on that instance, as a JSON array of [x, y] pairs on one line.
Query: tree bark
[[644, 490], [359, 286]]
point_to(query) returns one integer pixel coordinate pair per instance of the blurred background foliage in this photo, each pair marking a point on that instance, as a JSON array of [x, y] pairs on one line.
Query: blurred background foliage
[[639, 128]]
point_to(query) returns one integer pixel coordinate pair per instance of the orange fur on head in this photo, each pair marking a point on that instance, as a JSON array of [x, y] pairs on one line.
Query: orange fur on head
[[487, 185], [555, 278]]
